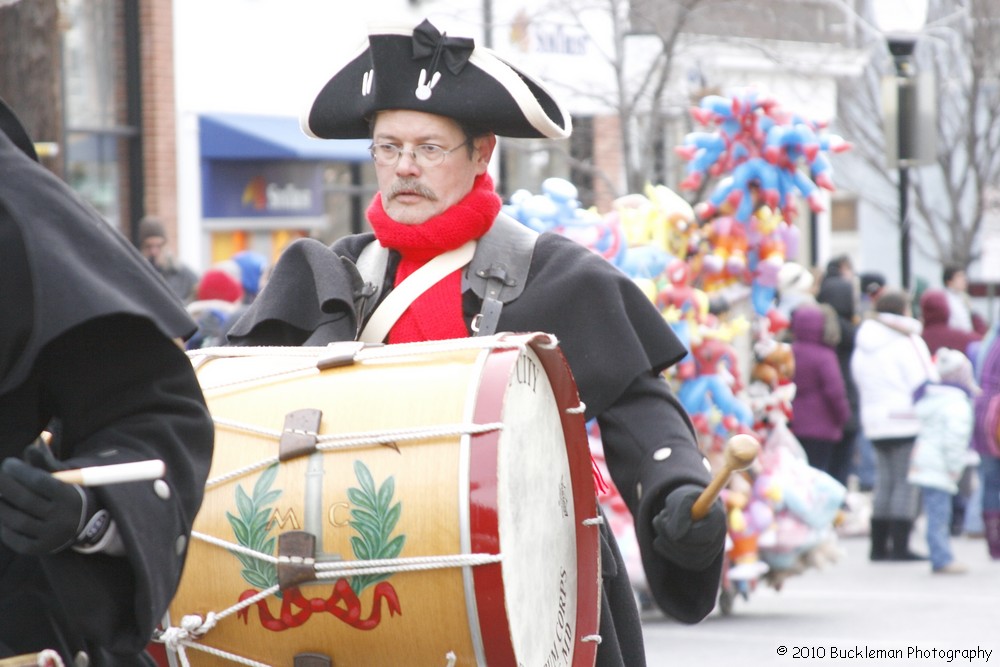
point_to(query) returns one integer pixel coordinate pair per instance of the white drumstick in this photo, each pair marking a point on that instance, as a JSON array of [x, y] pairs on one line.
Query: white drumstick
[[113, 474]]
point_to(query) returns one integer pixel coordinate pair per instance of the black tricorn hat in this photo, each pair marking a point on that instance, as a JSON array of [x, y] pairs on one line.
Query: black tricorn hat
[[11, 125], [424, 70]]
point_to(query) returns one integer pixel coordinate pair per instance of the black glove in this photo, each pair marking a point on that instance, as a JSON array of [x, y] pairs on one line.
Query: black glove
[[38, 513], [692, 545]]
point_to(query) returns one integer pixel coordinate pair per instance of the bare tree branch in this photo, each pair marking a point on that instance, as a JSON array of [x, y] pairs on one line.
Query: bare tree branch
[[961, 46]]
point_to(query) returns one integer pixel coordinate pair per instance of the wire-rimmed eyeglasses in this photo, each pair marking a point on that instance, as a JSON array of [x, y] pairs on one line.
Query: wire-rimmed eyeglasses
[[424, 155]]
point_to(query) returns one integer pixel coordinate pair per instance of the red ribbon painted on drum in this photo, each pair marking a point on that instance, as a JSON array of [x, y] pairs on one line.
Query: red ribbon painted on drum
[[342, 603]]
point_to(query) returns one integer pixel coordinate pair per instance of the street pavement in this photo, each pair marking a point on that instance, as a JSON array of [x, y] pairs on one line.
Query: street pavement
[[851, 612]]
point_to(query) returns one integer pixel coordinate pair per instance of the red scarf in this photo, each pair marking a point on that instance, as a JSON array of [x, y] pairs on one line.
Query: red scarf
[[437, 313]]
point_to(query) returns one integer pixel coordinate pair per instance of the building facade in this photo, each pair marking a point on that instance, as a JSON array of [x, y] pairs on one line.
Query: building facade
[[190, 97]]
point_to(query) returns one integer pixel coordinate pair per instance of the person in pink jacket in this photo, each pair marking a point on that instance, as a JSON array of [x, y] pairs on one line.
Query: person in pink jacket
[[820, 408]]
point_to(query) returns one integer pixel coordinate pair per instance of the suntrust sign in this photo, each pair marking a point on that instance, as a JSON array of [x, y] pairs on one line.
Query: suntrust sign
[[242, 189], [263, 196], [547, 37]]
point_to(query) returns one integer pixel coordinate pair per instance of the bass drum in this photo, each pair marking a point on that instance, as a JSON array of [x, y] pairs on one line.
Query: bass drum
[[419, 504]]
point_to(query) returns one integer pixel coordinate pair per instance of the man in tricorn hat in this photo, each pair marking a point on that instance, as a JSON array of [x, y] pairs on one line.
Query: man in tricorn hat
[[433, 106], [89, 352]]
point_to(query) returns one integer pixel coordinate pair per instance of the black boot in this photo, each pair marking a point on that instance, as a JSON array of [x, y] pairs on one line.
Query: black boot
[[991, 523], [899, 530], [880, 539], [958, 507]]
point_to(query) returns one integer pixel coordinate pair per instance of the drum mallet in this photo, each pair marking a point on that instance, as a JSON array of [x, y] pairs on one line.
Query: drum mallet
[[113, 474], [116, 473], [740, 452], [47, 658]]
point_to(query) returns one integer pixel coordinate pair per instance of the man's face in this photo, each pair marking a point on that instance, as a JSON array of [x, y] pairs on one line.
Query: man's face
[[152, 248], [411, 193]]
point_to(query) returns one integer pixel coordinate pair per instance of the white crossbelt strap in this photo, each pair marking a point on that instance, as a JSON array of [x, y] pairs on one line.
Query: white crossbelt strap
[[400, 298]]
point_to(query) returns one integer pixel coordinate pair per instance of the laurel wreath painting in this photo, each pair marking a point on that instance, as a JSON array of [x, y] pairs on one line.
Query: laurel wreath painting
[[252, 530], [373, 517]]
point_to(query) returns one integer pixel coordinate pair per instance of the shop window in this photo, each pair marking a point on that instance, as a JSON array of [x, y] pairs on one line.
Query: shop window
[[525, 163], [844, 214], [99, 141], [581, 148]]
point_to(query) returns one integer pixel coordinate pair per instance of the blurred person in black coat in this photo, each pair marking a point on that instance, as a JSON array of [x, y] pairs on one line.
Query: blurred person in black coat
[[90, 353], [837, 289]]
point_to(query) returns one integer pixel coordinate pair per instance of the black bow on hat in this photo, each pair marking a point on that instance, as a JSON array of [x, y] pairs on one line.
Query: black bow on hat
[[427, 41], [422, 69]]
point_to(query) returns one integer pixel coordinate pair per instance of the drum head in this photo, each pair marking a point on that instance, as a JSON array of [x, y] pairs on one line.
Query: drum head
[[537, 520]]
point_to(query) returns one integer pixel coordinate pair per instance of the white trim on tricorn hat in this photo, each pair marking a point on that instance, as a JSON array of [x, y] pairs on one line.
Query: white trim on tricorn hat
[[421, 69]]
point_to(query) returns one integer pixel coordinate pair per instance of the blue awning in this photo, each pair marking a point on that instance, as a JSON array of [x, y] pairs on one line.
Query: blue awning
[[227, 136]]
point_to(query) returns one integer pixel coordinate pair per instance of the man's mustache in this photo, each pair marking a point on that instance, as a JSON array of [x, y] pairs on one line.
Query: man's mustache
[[411, 186]]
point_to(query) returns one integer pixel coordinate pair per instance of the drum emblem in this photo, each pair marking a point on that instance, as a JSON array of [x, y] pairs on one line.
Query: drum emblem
[[373, 517]]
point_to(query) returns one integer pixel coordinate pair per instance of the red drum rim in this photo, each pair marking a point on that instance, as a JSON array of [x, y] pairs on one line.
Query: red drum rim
[[484, 505]]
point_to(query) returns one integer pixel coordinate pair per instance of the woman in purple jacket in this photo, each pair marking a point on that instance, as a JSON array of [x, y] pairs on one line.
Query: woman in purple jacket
[[820, 408], [984, 437]]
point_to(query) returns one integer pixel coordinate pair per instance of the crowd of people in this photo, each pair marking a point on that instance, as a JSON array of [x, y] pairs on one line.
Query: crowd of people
[[216, 297], [896, 396]]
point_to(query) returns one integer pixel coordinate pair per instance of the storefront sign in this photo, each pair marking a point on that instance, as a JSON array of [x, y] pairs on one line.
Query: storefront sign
[[256, 189]]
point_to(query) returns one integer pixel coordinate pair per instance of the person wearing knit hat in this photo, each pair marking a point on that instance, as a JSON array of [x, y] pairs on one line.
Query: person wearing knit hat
[[151, 240], [150, 228], [935, 310], [217, 284], [795, 287], [89, 350], [218, 305], [433, 105], [872, 284], [955, 368], [253, 268], [945, 410]]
